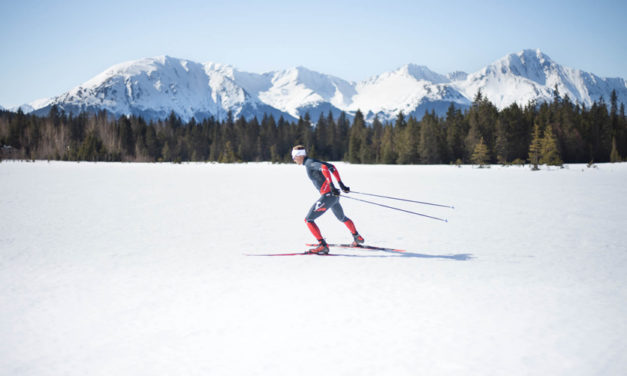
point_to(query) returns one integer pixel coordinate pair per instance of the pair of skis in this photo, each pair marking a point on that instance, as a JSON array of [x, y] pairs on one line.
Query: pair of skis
[[361, 246]]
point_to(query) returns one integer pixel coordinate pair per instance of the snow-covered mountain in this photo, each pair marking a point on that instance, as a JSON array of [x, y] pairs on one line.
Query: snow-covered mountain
[[154, 87], [300, 90], [532, 75], [294, 91], [411, 89]]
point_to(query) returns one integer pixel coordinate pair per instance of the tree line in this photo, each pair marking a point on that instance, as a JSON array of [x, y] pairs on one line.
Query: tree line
[[549, 132]]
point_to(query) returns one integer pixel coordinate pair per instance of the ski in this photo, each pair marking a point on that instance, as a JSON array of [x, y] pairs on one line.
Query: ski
[[363, 246], [289, 254], [360, 246]]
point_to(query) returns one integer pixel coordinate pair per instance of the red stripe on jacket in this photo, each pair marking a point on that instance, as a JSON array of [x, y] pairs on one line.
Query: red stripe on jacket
[[326, 187]]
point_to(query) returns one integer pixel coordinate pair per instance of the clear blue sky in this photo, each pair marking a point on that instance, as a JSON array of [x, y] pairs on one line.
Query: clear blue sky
[[49, 47]]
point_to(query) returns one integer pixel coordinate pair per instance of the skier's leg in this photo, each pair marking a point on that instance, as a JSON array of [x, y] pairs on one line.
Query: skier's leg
[[317, 209], [315, 230], [339, 214]]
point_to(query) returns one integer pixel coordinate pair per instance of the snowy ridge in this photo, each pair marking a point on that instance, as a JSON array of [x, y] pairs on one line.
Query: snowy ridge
[[154, 87], [297, 88]]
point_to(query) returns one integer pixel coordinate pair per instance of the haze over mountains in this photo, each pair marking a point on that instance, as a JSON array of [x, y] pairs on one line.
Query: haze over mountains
[[154, 87]]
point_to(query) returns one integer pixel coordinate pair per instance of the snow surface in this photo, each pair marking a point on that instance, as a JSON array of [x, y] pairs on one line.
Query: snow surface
[[141, 269]]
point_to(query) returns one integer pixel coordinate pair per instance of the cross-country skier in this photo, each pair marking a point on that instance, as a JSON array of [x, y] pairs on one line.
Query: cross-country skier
[[320, 174]]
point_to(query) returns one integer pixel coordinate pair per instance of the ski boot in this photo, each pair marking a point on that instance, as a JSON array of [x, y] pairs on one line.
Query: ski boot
[[357, 240], [321, 249]]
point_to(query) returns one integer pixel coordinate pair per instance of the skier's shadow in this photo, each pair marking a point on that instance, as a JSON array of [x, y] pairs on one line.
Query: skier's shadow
[[388, 254]]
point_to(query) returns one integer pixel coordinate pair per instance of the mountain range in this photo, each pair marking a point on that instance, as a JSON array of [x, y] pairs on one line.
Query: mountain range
[[154, 87]]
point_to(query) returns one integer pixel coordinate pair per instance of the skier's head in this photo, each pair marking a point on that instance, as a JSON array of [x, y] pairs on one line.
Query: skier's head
[[298, 154]]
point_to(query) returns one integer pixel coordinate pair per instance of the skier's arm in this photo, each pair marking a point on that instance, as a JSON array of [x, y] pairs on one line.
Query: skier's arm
[[328, 184], [336, 174]]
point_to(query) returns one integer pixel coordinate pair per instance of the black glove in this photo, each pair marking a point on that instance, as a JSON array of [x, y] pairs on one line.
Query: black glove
[[335, 191], [344, 188]]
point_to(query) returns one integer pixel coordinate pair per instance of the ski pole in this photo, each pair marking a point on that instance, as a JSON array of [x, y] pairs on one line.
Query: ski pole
[[391, 207], [402, 199]]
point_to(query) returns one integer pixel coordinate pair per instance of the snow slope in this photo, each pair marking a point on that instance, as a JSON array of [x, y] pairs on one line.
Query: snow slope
[[141, 269]]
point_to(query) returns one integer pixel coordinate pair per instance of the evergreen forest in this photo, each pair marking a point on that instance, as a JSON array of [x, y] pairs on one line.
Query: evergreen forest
[[552, 133]]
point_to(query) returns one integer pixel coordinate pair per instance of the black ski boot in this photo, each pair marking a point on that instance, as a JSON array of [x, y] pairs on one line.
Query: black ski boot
[[357, 240]]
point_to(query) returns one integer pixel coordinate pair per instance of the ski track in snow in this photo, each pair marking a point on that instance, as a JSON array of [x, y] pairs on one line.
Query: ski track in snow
[[141, 269]]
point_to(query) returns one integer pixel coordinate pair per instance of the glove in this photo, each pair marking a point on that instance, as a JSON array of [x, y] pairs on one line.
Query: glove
[[335, 191], [344, 188]]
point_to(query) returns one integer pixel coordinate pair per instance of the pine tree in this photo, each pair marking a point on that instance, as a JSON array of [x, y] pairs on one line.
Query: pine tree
[[408, 138], [488, 115], [267, 136], [480, 154], [388, 151], [455, 132], [622, 125], [617, 122], [601, 134], [501, 144], [377, 137], [355, 139], [535, 147], [429, 145], [614, 156], [321, 134], [126, 136], [366, 151], [91, 149], [342, 127], [512, 135], [549, 152], [228, 155], [569, 133], [166, 154], [332, 153], [274, 156]]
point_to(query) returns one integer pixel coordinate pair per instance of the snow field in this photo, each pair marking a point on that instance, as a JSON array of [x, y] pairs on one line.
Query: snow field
[[141, 269]]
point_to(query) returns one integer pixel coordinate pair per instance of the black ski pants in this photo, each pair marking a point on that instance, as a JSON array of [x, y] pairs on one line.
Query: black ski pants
[[325, 202]]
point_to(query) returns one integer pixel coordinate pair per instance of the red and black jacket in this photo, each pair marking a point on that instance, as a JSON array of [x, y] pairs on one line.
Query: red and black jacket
[[320, 174]]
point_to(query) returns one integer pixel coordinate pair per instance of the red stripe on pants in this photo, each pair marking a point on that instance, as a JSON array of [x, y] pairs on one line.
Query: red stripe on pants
[[314, 230], [351, 226]]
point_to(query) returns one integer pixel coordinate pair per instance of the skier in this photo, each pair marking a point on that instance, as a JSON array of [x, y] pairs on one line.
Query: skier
[[320, 174]]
